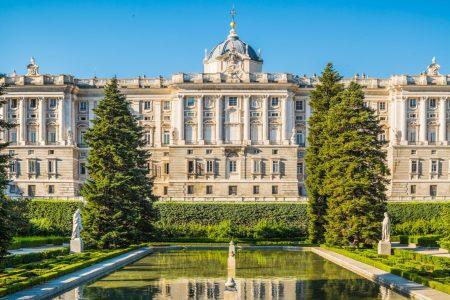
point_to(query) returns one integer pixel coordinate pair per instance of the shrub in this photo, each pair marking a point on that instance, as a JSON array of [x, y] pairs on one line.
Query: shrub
[[425, 241], [420, 227], [410, 211], [36, 241], [445, 243], [11, 261]]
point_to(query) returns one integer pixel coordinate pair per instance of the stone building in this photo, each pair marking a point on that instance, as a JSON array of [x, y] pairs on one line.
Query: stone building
[[232, 132]]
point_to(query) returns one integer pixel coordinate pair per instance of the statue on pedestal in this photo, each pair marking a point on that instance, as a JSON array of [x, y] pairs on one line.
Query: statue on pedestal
[[76, 243], [69, 137], [384, 246], [32, 68]]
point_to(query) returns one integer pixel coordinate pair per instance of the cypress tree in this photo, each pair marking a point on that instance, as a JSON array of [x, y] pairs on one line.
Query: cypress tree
[[322, 98], [118, 193], [6, 230], [355, 168]]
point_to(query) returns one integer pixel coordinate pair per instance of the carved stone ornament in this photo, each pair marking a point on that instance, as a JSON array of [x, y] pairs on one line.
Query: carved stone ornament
[[433, 69], [32, 68]]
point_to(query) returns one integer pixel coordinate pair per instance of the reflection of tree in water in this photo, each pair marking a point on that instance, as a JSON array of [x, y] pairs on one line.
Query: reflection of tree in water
[[121, 293]]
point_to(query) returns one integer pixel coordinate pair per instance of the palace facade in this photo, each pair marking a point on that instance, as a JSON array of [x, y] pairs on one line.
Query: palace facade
[[231, 133]]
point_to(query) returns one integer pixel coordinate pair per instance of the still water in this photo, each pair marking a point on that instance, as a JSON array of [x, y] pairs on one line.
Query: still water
[[201, 274]]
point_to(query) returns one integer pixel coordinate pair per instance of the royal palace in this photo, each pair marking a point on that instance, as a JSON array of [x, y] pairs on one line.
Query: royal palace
[[231, 133]]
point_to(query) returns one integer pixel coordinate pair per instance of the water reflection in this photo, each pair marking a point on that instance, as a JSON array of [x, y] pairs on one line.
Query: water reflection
[[257, 275]]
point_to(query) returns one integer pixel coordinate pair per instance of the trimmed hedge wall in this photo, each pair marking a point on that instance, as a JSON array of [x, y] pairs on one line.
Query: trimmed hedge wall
[[54, 217], [246, 214]]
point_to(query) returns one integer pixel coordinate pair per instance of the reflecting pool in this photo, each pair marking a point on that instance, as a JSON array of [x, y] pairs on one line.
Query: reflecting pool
[[201, 274]]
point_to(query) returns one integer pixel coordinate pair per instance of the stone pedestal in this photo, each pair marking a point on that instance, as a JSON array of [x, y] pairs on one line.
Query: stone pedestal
[[384, 248], [76, 245]]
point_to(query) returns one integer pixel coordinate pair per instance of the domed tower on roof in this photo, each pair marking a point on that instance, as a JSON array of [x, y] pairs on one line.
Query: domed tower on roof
[[231, 54]]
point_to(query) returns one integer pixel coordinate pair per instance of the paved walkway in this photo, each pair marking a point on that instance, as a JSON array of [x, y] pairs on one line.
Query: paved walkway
[[397, 283], [36, 249], [423, 250]]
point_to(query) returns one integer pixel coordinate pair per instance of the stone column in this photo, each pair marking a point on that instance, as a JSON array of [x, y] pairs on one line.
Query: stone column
[[442, 119], [246, 137], [423, 120], [42, 118], [307, 115], [180, 120], [62, 122], [403, 121], [219, 125], [157, 108], [284, 120], [265, 120], [23, 122], [200, 120]]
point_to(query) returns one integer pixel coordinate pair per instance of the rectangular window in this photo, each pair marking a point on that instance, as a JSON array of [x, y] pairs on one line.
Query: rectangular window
[[190, 101], [432, 103], [190, 189], [299, 105], [274, 189], [256, 190], [32, 137], [275, 167], [50, 167], [165, 190], [52, 103], [191, 167], [412, 189], [32, 166], [166, 138], [82, 168], [209, 166], [190, 151], [254, 114], [208, 151], [232, 190], [147, 105], [273, 114], [232, 101], [232, 167], [209, 189], [434, 166], [274, 101], [300, 168], [51, 137], [412, 103], [166, 105], [256, 166], [33, 103], [414, 166], [51, 189], [433, 190], [13, 136], [166, 168], [13, 103], [12, 167], [382, 105], [82, 106]]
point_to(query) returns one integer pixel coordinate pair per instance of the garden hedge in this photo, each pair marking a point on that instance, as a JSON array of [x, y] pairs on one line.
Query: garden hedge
[[55, 216]]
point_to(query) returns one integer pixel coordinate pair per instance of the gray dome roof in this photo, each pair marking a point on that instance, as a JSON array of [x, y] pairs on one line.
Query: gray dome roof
[[231, 42]]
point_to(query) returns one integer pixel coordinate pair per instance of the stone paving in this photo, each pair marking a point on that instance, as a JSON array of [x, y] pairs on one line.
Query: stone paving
[[423, 250]]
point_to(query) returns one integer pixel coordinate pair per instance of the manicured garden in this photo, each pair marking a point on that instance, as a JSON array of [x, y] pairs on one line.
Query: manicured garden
[[424, 269], [21, 271]]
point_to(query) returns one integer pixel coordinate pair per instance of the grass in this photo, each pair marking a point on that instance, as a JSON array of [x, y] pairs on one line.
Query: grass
[[421, 268], [37, 241], [32, 273]]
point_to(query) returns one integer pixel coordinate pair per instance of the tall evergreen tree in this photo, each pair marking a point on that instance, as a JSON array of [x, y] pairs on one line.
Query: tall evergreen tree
[[322, 99], [118, 193], [6, 230], [356, 170]]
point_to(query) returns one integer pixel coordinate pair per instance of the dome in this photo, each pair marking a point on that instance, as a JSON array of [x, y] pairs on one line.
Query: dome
[[233, 42]]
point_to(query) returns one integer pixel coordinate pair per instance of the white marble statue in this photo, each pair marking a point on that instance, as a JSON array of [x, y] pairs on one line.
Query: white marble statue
[[76, 225], [32, 68], [386, 228], [69, 137], [293, 135]]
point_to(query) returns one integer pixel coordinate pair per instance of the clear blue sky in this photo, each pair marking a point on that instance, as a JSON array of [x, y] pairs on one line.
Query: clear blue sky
[[131, 38]]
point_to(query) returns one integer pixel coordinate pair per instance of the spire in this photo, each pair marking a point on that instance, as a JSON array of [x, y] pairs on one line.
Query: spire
[[232, 23]]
